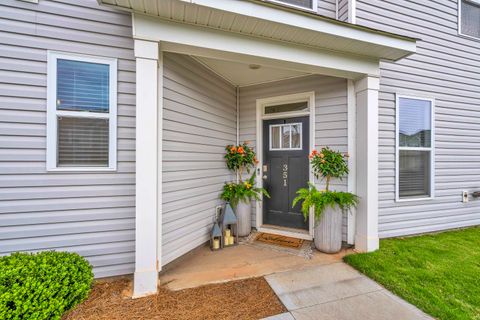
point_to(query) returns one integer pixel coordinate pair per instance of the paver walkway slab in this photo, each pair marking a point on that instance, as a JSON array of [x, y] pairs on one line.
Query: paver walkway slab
[[337, 291]]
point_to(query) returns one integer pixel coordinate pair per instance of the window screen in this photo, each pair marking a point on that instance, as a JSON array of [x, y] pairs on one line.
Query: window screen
[[414, 179], [470, 18], [414, 148], [82, 142]]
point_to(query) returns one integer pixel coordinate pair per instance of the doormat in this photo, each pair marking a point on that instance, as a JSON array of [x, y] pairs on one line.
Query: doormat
[[279, 240], [304, 251]]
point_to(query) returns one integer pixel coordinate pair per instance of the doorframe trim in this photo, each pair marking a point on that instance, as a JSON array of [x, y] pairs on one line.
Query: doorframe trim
[[308, 97]]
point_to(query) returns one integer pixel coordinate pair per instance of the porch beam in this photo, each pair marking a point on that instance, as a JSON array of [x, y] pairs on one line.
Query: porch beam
[[146, 178], [230, 46], [366, 92]]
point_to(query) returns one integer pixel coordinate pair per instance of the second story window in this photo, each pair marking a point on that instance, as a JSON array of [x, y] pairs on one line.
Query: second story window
[[310, 5], [470, 18]]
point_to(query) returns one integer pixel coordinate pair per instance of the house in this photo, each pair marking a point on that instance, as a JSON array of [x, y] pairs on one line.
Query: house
[[114, 116]]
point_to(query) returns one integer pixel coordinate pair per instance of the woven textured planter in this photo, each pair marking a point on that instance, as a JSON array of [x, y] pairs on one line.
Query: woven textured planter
[[244, 215], [328, 231]]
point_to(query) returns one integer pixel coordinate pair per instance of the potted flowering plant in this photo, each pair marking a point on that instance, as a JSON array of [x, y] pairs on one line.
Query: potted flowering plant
[[241, 159], [327, 205]]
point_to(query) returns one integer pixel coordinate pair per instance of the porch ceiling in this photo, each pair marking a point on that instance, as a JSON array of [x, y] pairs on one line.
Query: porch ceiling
[[244, 74], [259, 19]]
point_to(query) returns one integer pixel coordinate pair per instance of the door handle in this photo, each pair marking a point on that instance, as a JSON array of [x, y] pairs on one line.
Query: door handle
[[264, 177]]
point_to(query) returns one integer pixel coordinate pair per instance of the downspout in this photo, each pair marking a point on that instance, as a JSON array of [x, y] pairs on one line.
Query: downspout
[[237, 90], [238, 113]]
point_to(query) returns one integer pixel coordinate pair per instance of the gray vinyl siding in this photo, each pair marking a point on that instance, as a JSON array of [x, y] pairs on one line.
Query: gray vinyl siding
[[330, 117], [342, 10], [327, 8], [446, 68], [89, 213], [199, 121]]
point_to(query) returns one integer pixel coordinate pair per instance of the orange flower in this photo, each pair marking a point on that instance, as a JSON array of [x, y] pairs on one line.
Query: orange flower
[[322, 155], [240, 150], [233, 149], [323, 161], [313, 154], [255, 160]]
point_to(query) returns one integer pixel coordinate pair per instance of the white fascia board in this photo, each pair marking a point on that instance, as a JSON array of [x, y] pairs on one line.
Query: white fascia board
[[208, 42], [295, 19]]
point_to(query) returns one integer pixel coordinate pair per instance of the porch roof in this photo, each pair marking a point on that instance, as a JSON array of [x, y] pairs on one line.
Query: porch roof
[[272, 22]]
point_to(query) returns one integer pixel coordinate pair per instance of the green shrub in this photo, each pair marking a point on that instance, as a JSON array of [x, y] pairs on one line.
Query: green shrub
[[42, 285]]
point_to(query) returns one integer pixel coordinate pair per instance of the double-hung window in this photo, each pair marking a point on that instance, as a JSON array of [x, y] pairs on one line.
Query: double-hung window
[[469, 18], [81, 112], [415, 148]]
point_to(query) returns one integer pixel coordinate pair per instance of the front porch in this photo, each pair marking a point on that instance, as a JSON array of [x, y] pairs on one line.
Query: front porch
[[204, 83], [202, 266]]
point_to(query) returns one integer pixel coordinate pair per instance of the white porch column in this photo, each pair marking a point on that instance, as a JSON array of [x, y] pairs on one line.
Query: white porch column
[[146, 206], [366, 91]]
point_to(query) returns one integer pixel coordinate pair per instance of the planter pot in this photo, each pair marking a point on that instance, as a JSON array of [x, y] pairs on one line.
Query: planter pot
[[328, 231], [244, 215]]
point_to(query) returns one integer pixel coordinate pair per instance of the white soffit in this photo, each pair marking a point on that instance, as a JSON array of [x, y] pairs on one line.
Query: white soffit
[[244, 74], [254, 18]]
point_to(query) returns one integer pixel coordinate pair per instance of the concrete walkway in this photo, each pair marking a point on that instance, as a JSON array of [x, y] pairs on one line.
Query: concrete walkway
[[337, 291]]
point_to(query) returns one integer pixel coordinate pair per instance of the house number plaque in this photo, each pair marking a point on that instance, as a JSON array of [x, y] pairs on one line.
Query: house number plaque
[[285, 174]]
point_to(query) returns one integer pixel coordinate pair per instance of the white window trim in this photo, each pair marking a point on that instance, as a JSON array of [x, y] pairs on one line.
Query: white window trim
[[52, 112], [309, 97], [286, 4], [280, 133], [460, 20], [398, 148]]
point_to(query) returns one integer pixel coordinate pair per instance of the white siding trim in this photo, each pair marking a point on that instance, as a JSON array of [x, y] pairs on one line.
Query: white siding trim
[[398, 148], [260, 104], [352, 11], [52, 112], [160, 161]]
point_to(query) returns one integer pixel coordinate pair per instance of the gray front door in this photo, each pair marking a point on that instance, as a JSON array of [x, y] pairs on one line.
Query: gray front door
[[285, 170]]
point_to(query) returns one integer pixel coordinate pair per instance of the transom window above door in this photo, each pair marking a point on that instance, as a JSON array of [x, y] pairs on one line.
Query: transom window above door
[[286, 136], [286, 108]]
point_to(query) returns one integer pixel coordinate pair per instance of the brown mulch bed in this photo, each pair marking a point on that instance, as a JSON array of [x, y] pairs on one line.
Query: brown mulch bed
[[242, 299]]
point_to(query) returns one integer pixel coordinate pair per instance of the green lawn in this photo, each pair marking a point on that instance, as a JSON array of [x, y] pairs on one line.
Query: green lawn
[[439, 273]]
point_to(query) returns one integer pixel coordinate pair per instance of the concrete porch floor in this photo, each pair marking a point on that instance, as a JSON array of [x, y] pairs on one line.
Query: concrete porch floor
[[203, 266]]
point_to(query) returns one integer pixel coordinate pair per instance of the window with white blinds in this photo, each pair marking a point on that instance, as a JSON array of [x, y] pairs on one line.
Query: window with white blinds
[[82, 111], [415, 148], [302, 4], [470, 18]]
